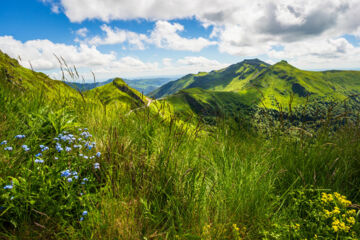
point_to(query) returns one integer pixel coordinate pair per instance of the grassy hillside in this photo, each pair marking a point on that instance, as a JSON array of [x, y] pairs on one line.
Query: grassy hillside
[[231, 78], [252, 85], [14, 76], [142, 85], [83, 169]]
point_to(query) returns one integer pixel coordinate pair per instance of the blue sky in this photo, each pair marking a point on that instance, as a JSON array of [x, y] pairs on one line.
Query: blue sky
[[172, 38]]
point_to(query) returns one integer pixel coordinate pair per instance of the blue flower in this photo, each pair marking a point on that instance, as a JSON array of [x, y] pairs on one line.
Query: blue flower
[[86, 157], [84, 213], [38, 155], [56, 139], [20, 136], [84, 181], [25, 147], [80, 154], [65, 173], [79, 129], [68, 149], [97, 165], [41, 146], [56, 158], [69, 179], [8, 149], [98, 154], [8, 187], [3, 142], [45, 149], [39, 161], [59, 148], [81, 219]]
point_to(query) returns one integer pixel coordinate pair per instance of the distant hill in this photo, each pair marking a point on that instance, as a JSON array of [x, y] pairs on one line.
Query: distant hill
[[269, 84], [119, 93], [253, 84], [145, 85]]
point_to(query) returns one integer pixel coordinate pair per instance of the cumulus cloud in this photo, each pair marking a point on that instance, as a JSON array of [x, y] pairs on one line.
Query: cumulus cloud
[[82, 32], [40, 53], [243, 28], [117, 36], [164, 35]]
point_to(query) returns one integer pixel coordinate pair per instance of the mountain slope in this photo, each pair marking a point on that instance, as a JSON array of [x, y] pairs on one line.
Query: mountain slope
[[14, 76], [231, 78], [119, 93]]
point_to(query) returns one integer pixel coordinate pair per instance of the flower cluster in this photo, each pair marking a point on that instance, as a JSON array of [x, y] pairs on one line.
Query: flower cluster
[[76, 150]]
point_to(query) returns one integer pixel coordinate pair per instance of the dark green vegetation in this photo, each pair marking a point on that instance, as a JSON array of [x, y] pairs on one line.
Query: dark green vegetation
[[253, 84], [163, 178], [142, 85]]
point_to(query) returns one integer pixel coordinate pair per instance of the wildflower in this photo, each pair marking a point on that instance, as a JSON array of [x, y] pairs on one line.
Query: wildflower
[[98, 154], [56, 139], [56, 158], [45, 149], [38, 155], [84, 213], [78, 146], [65, 173], [80, 154], [59, 148], [81, 219], [20, 136], [86, 157], [25, 147], [351, 220], [8, 187], [8, 149], [79, 129], [41, 146], [39, 161], [68, 149], [97, 165], [84, 181], [69, 179], [3, 142]]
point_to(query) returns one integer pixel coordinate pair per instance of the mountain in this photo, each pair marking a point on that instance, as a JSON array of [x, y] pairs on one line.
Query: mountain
[[87, 86], [15, 77], [119, 93], [266, 85], [231, 78], [144, 85]]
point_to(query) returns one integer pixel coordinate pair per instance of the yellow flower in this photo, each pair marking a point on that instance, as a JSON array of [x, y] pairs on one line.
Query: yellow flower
[[336, 210], [351, 220]]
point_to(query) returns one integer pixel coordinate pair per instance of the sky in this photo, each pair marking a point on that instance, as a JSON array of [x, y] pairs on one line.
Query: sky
[[163, 38]]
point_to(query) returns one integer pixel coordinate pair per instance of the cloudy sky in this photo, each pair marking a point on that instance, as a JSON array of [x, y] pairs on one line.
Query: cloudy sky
[[143, 38]]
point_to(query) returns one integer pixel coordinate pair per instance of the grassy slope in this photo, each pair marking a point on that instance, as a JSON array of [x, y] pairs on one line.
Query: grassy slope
[[119, 93], [253, 84], [15, 76], [157, 180]]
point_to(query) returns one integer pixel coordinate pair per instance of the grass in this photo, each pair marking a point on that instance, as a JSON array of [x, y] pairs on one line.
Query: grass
[[162, 177]]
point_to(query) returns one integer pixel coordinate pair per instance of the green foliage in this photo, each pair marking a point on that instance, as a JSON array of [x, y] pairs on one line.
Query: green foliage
[[316, 216], [166, 176]]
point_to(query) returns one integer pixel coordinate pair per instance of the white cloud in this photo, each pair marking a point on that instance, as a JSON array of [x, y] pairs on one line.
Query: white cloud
[[117, 36], [82, 32], [88, 58], [242, 28], [165, 35]]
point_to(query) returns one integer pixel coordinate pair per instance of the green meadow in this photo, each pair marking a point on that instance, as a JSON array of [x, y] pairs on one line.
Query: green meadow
[[253, 151]]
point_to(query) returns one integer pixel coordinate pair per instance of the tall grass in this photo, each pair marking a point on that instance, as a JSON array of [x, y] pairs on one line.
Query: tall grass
[[160, 180]]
